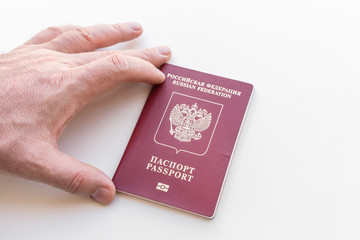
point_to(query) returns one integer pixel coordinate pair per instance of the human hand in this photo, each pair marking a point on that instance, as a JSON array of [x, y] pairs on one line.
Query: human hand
[[44, 82]]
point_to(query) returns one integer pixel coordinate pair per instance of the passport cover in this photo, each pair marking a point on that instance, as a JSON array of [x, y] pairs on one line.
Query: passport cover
[[180, 150]]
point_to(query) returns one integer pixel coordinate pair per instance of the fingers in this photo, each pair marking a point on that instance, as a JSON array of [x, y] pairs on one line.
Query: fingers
[[49, 34], [106, 73], [85, 39], [157, 56]]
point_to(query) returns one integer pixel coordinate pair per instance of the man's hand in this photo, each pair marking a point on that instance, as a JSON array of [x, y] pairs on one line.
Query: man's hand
[[44, 82]]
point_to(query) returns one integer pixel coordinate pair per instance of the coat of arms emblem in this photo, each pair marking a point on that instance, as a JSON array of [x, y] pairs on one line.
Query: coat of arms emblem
[[187, 123]]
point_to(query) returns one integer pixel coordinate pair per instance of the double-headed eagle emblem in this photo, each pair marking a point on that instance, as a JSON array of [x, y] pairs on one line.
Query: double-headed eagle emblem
[[188, 122]]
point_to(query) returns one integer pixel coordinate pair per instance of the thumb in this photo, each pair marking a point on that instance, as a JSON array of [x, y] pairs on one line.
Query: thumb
[[76, 177]]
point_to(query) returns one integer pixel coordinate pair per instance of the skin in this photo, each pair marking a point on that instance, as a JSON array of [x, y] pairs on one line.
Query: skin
[[44, 82]]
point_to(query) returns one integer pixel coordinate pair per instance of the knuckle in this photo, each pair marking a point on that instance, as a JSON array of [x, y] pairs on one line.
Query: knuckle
[[148, 54], [84, 34], [117, 29], [120, 62], [75, 183]]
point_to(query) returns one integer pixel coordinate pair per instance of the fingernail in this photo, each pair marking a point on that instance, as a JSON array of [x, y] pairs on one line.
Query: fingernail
[[164, 50], [135, 26], [101, 195]]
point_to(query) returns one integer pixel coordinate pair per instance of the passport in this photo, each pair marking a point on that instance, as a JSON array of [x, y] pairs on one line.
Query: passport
[[182, 145]]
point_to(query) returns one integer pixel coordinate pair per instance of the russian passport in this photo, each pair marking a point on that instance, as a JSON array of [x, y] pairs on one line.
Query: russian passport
[[182, 145]]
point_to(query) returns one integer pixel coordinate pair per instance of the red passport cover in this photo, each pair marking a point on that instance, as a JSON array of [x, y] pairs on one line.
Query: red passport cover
[[181, 147]]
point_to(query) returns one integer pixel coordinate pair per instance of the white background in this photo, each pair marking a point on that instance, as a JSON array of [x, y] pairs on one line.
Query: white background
[[295, 172]]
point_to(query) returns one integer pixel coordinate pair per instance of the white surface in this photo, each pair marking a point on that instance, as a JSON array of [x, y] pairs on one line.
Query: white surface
[[295, 173]]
